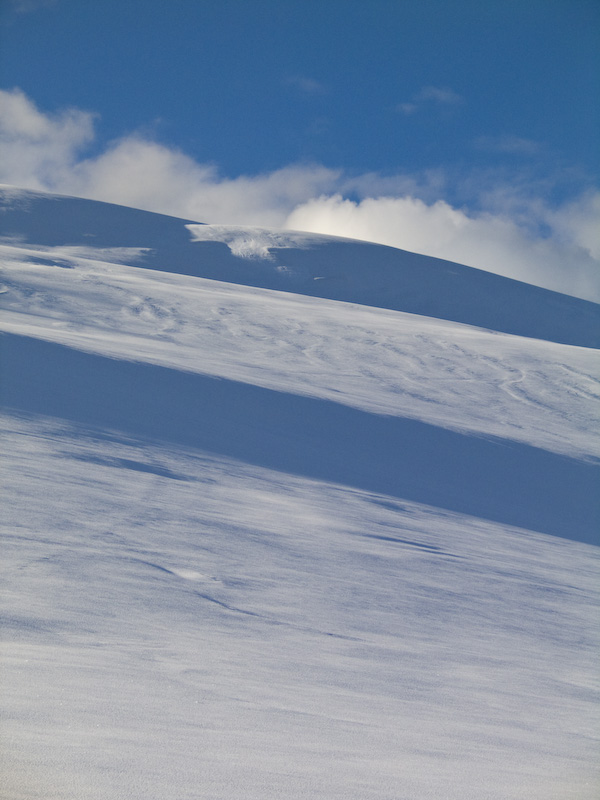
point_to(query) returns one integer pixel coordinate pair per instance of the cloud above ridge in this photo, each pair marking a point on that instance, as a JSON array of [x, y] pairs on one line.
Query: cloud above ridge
[[567, 261], [506, 230]]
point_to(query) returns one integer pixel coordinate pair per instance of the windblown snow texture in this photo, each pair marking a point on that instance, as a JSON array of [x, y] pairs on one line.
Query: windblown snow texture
[[290, 516]]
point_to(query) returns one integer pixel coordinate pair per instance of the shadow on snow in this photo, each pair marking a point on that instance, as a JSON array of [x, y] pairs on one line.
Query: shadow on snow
[[495, 479]]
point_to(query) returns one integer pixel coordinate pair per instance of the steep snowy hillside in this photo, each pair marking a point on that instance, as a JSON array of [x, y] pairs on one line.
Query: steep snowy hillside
[[290, 516]]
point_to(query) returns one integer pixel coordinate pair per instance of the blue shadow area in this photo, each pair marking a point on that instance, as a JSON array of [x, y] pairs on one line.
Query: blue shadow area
[[494, 479]]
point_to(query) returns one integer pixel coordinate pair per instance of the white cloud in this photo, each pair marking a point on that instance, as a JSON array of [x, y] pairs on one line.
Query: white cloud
[[407, 108], [431, 94], [27, 6], [512, 233], [39, 151], [307, 86], [563, 262], [47, 152], [444, 96], [148, 175], [578, 223], [508, 144]]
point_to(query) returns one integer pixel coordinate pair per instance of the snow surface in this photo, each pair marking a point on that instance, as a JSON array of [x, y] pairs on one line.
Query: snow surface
[[290, 516]]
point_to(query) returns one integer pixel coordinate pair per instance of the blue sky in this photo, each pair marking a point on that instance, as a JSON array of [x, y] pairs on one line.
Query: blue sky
[[490, 108]]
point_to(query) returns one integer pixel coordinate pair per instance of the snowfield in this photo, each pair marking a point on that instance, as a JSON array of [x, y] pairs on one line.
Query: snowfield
[[290, 516]]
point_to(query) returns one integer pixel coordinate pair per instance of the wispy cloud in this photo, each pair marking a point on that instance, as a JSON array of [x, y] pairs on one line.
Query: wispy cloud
[[508, 144], [27, 6], [441, 96], [446, 97], [306, 86], [407, 108], [506, 229]]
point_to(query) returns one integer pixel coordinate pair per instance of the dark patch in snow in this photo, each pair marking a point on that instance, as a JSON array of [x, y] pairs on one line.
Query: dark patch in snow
[[273, 621], [136, 466], [50, 262], [430, 548], [155, 566]]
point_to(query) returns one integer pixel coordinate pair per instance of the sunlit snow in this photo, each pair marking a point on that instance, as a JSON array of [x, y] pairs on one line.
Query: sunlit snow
[[285, 516]]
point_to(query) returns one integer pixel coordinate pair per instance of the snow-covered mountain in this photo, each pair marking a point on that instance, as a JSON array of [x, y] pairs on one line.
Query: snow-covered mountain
[[290, 516]]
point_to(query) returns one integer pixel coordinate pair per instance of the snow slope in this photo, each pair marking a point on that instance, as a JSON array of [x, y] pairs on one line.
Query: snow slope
[[290, 516]]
